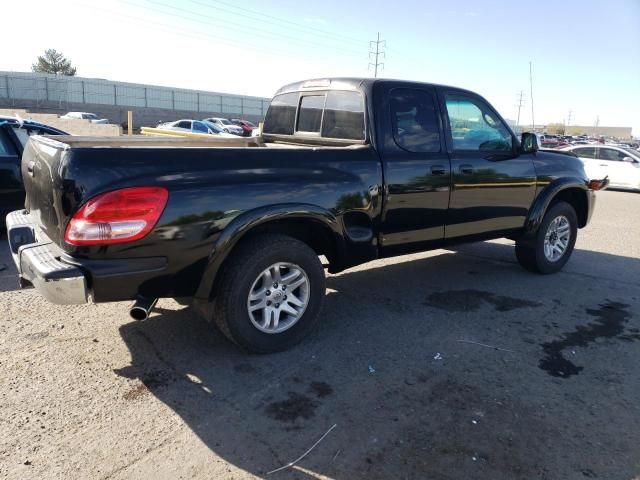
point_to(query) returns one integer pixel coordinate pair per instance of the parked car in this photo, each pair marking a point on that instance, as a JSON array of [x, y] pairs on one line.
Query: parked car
[[620, 164], [194, 126], [14, 134], [226, 125], [425, 166], [247, 126], [92, 117]]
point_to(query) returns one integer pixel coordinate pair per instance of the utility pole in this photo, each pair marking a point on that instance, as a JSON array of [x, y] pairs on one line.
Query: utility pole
[[597, 124], [533, 120], [569, 117], [520, 103], [377, 54]]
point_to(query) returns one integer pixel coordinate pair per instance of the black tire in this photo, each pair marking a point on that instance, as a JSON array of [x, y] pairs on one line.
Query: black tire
[[250, 259], [530, 253]]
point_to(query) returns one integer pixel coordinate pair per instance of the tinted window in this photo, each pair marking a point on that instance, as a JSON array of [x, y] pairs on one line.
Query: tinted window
[[22, 134], [281, 116], [343, 116], [611, 155], [414, 120], [585, 152], [214, 127], [5, 146], [474, 126], [310, 114], [200, 127]]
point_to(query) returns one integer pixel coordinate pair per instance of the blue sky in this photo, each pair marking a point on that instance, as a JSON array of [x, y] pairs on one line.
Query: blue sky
[[585, 54]]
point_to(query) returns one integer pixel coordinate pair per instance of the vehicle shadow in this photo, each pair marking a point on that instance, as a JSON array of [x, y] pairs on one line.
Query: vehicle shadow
[[387, 367]]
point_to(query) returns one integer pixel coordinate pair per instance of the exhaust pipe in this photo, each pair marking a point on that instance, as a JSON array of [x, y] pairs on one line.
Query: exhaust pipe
[[141, 309]]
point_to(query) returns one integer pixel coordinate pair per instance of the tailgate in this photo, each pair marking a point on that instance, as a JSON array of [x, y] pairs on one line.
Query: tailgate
[[42, 162]]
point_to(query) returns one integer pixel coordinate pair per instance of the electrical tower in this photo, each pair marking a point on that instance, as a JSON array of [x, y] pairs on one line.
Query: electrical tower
[[520, 104], [569, 117], [378, 54]]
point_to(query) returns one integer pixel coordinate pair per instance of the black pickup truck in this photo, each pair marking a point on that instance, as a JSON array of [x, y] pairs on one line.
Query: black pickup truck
[[348, 169]]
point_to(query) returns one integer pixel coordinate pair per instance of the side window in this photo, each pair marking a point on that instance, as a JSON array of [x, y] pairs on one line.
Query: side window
[[184, 124], [22, 134], [310, 115], [281, 116], [474, 126], [200, 127], [585, 152], [414, 120], [611, 154], [343, 116], [6, 149]]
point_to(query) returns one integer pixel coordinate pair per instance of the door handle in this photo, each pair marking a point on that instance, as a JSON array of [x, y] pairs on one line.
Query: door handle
[[466, 169], [30, 167], [438, 170], [604, 165]]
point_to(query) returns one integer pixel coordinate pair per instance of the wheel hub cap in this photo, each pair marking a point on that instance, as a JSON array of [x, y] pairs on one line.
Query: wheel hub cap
[[278, 297], [556, 240]]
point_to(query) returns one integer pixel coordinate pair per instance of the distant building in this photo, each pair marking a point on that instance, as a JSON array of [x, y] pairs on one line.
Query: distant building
[[592, 130], [617, 132]]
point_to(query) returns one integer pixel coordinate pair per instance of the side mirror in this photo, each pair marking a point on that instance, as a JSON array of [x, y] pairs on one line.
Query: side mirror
[[529, 142], [628, 159]]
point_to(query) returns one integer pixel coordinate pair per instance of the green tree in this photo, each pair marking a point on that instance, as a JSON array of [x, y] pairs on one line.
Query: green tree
[[557, 128], [53, 62]]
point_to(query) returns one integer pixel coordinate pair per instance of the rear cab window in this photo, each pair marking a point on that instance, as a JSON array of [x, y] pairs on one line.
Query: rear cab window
[[334, 115]]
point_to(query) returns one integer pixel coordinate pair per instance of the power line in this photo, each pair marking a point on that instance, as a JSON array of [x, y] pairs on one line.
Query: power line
[[302, 26], [238, 26], [197, 35], [379, 44]]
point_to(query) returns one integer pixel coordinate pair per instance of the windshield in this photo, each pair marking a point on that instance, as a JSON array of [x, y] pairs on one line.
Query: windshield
[[213, 127], [634, 153], [224, 121]]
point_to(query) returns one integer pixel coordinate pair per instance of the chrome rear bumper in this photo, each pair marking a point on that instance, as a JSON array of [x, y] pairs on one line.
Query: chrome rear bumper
[[38, 262]]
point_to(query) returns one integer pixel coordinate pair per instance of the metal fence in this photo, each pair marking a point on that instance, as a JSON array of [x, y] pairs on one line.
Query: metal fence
[[65, 90]]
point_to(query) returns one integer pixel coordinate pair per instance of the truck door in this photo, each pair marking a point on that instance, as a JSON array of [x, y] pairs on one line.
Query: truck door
[[11, 191], [416, 168], [493, 186]]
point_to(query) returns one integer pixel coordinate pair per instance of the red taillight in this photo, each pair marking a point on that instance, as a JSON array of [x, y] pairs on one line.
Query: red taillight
[[120, 216]]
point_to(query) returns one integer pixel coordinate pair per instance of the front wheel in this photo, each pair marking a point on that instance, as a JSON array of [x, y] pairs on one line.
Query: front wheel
[[270, 293], [553, 243]]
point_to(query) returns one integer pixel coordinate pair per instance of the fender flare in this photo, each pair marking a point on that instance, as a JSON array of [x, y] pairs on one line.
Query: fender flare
[[247, 221], [544, 199]]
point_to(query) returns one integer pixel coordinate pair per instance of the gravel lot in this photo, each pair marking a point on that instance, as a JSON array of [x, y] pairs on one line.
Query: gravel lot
[[88, 394]]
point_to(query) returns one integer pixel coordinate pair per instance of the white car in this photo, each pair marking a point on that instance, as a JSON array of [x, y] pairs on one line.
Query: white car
[[226, 125], [194, 126], [620, 164], [92, 117]]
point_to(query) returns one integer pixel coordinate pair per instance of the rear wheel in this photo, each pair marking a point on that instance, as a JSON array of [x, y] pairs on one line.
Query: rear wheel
[[553, 243], [270, 293]]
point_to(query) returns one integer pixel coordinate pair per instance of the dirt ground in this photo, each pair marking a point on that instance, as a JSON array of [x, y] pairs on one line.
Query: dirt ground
[[453, 364]]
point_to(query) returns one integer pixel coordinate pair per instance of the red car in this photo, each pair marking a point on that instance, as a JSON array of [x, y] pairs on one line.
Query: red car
[[247, 126]]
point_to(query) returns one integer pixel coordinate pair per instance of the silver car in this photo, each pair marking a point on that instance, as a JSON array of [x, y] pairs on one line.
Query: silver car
[[194, 126], [226, 125]]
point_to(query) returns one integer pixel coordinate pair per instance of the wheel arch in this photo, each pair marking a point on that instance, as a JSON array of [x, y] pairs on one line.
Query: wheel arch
[[571, 190], [317, 227]]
